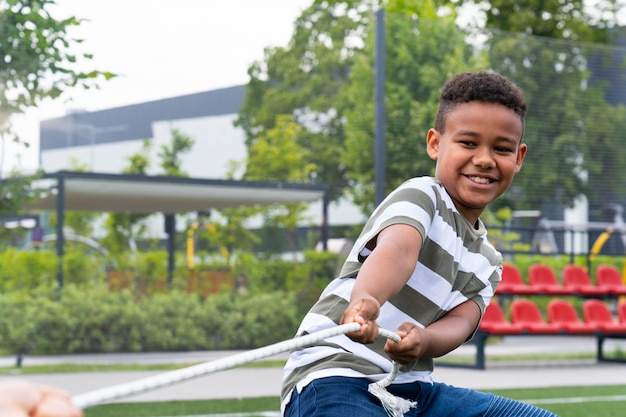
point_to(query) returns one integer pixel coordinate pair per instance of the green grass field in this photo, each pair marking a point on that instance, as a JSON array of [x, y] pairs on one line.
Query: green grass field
[[584, 401]]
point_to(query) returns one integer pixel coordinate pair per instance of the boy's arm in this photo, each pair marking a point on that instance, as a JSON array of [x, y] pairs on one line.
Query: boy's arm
[[383, 274], [441, 337]]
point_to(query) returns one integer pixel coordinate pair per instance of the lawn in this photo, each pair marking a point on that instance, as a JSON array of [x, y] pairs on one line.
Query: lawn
[[584, 401]]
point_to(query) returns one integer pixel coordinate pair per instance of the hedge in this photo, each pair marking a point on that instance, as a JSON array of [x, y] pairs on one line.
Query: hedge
[[95, 320]]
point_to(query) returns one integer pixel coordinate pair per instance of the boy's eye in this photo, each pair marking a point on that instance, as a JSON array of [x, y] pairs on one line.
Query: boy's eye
[[502, 149]]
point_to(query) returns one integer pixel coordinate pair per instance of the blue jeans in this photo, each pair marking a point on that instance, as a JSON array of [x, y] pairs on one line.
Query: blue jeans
[[347, 397]]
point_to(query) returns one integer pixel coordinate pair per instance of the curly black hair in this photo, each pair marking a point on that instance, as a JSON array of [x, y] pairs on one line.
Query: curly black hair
[[482, 86]]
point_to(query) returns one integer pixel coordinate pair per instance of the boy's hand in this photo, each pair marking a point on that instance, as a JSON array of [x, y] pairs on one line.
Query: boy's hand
[[365, 312], [25, 399], [412, 345]]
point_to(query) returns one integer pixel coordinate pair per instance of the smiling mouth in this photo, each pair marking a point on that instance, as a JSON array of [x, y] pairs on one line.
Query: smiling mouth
[[480, 180]]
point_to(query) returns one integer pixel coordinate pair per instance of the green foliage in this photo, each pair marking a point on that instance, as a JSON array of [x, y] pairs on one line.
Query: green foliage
[[97, 320], [553, 51], [18, 324], [252, 321], [79, 222], [36, 47], [275, 155], [36, 60], [123, 228], [570, 126], [170, 155], [571, 20], [265, 275], [27, 270], [81, 269], [309, 278], [414, 73], [229, 234], [139, 162], [172, 322], [306, 80], [36, 270], [13, 192]]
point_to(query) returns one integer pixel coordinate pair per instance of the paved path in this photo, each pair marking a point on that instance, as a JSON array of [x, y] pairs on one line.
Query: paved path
[[259, 382]]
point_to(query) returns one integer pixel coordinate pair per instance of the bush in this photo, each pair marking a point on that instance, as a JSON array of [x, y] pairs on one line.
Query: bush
[[246, 322], [172, 322], [27, 270], [79, 320], [309, 278]]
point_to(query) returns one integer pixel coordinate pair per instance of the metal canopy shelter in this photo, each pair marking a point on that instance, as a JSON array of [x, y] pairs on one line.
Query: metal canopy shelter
[[85, 191]]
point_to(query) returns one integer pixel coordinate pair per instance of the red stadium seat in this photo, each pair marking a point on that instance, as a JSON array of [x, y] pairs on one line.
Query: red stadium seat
[[563, 314], [609, 279], [621, 311], [494, 322], [512, 281], [598, 313], [543, 280], [576, 279], [526, 313]]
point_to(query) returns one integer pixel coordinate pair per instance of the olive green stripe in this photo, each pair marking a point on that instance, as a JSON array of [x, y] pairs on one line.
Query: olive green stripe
[[338, 360], [423, 310], [438, 260], [331, 306]]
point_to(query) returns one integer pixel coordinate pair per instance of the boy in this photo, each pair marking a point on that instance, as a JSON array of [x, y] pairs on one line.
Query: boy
[[423, 267]]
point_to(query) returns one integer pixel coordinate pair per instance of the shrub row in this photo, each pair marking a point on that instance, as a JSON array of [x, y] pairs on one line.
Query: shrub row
[[92, 320]]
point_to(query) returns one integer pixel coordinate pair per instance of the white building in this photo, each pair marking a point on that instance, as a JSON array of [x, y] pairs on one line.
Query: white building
[[103, 140]]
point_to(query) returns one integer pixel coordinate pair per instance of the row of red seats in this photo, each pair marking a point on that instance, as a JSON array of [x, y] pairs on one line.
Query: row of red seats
[[576, 281], [562, 318]]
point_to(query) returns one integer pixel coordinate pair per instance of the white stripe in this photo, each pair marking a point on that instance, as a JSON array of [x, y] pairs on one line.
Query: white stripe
[[401, 208], [572, 400], [430, 284]]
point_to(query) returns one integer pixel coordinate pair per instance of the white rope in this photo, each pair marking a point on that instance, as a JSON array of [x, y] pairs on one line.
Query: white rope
[[103, 395], [394, 406]]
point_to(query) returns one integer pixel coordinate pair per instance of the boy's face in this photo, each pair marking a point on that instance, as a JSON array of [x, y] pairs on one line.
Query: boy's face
[[478, 155]]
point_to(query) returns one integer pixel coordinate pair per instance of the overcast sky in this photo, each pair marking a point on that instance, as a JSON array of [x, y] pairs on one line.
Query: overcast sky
[[162, 49]]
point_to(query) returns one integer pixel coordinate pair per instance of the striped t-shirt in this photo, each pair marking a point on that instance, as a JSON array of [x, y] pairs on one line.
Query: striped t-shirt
[[456, 263]]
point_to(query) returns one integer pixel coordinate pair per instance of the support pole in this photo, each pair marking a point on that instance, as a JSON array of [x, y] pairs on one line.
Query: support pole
[[60, 225], [324, 237], [379, 147], [170, 230]]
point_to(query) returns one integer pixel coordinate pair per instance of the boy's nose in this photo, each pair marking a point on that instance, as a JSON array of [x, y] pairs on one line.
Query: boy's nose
[[483, 158]]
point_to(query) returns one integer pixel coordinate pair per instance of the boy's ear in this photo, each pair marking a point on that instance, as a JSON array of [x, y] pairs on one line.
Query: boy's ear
[[432, 143], [521, 154]]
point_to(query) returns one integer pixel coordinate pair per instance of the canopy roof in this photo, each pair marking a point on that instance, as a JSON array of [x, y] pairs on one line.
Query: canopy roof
[[149, 194], [86, 191]]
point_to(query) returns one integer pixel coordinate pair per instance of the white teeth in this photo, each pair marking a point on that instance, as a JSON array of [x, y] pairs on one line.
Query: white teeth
[[481, 180]]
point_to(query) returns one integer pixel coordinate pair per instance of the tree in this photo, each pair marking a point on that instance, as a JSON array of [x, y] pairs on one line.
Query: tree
[[122, 228], [36, 59], [324, 80], [555, 56], [229, 233], [306, 80], [80, 222], [424, 47], [36, 63], [277, 156], [170, 155]]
